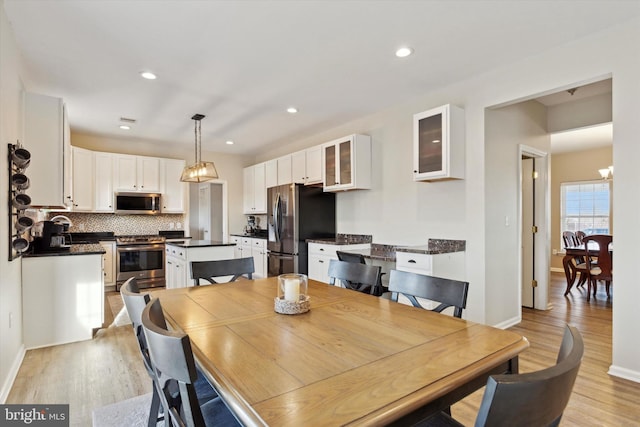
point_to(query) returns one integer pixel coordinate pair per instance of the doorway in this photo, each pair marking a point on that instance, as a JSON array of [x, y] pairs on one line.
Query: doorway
[[533, 225], [208, 211]]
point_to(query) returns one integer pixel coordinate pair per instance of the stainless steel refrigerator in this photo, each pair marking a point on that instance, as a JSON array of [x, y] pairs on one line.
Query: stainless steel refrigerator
[[296, 213]]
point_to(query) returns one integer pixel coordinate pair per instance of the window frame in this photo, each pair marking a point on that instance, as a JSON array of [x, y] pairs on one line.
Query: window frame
[[563, 216]]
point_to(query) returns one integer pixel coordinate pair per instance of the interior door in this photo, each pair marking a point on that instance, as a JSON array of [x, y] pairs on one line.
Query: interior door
[[528, 224], [204, 212]]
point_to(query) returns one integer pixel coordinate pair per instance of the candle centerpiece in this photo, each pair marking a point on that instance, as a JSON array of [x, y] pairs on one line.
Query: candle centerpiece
[[292, 295]]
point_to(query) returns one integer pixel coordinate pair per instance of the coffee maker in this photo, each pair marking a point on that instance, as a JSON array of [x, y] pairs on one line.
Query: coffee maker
[[250, 228], [51, 236]]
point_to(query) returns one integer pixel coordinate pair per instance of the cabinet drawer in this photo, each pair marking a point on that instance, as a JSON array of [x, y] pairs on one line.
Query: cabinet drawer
[[247, 241], [320, 249], [259, 243], [176, 252], [412, 261]]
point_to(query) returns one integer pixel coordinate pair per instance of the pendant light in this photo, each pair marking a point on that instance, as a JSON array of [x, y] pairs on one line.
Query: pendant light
[[200, 171]]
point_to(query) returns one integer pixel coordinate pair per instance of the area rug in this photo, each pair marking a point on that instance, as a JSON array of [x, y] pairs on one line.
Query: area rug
[[119, 311], [132, 412]]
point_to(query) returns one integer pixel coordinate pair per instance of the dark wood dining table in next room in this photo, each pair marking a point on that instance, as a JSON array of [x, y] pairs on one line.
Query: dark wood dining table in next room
[[572, 252], [353, 359]]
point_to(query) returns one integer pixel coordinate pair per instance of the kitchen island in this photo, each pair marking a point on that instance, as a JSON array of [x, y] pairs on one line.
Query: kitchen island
[[178, 257], [62, 295]]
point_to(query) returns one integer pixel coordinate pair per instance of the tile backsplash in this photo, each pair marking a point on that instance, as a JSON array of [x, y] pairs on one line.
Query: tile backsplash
[[123, 224]]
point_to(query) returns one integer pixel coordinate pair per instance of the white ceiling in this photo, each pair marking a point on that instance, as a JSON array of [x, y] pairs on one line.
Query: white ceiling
[[242, 63]]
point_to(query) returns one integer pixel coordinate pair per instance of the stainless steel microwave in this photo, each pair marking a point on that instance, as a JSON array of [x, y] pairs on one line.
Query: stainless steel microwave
[[137, 203]]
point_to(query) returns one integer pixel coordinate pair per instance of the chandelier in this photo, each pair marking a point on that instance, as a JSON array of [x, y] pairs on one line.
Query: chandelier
[[606, 173], [200, 171]]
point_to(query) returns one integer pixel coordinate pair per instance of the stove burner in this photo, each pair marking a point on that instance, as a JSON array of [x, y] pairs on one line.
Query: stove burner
[[139, 239]]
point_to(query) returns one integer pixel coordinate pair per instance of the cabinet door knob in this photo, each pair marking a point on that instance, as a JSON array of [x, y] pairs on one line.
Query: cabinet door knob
[[412, 261], [415, 171]]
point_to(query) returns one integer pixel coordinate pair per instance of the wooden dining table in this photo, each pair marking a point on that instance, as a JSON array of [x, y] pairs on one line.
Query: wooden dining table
[[353, 359], [572, 252]]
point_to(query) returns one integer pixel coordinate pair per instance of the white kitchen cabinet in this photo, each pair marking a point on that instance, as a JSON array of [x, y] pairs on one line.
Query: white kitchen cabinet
[[321, 254], [47, 137], [347, 163], [237, 249], [178, 261], [137, 173], [271, 173], [259, 254], [255, 190], [83, 175], [313, 157], [103, 182], [299, 167], [109, 266], [438, 144], [449, 265], [172, 189], [284, 170], [306, 166], [63, 298]]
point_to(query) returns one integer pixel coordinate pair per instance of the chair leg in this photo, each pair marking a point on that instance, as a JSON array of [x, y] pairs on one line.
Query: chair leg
[[607, 284], [154, 411], [588, 288]]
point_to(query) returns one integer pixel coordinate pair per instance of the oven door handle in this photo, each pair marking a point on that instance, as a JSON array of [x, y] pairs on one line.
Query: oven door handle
[[139, 248]]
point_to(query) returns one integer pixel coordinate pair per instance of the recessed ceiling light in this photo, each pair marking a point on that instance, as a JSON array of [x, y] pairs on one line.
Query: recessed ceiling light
[[292, 110], [125, 127], [403, 52], [148, 75], [229, 142]]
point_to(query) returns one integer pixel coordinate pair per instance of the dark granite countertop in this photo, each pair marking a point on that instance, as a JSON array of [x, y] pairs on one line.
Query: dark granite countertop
[[253, 236], [199, 243], [376, 252], [343, 239], [435, 247], [81, 249]]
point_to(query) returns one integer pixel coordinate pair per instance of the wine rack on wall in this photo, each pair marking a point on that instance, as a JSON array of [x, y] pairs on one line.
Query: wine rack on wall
[[19, 201]]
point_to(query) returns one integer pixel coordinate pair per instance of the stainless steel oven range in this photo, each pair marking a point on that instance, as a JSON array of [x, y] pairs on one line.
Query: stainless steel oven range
[[141, 257]]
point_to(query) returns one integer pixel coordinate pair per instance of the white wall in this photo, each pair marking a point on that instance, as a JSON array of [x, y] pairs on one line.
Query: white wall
[[11, 347], [523, 123], [399, 211]]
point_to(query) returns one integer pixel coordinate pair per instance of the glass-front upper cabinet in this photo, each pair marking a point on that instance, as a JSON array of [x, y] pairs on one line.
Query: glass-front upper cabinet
[[438, 144], [347, 163]]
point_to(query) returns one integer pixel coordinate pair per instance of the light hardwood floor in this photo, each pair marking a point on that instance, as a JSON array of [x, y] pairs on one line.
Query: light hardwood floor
[[91, 374]]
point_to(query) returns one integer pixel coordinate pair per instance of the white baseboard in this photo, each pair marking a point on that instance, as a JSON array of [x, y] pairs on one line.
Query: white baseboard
[[13, 373], [509, 322], [625, 373]]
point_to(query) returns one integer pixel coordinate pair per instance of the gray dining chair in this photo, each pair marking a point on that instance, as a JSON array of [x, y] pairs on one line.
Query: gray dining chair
[[358, 277], [175, 369], [210, 270], [360, 259], [531, 399], [446, 292], [135, 302]]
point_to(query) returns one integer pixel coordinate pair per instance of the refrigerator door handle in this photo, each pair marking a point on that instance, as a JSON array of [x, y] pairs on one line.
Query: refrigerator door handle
[[276, 217]]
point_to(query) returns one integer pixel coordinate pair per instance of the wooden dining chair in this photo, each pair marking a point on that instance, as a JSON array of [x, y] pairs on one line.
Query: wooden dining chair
[[532, 399], [446, 292], [603, 269], [580, 235], [358, 277], [175, 369], [578, 264], [209, 270], [360, 259], [135, 302]]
